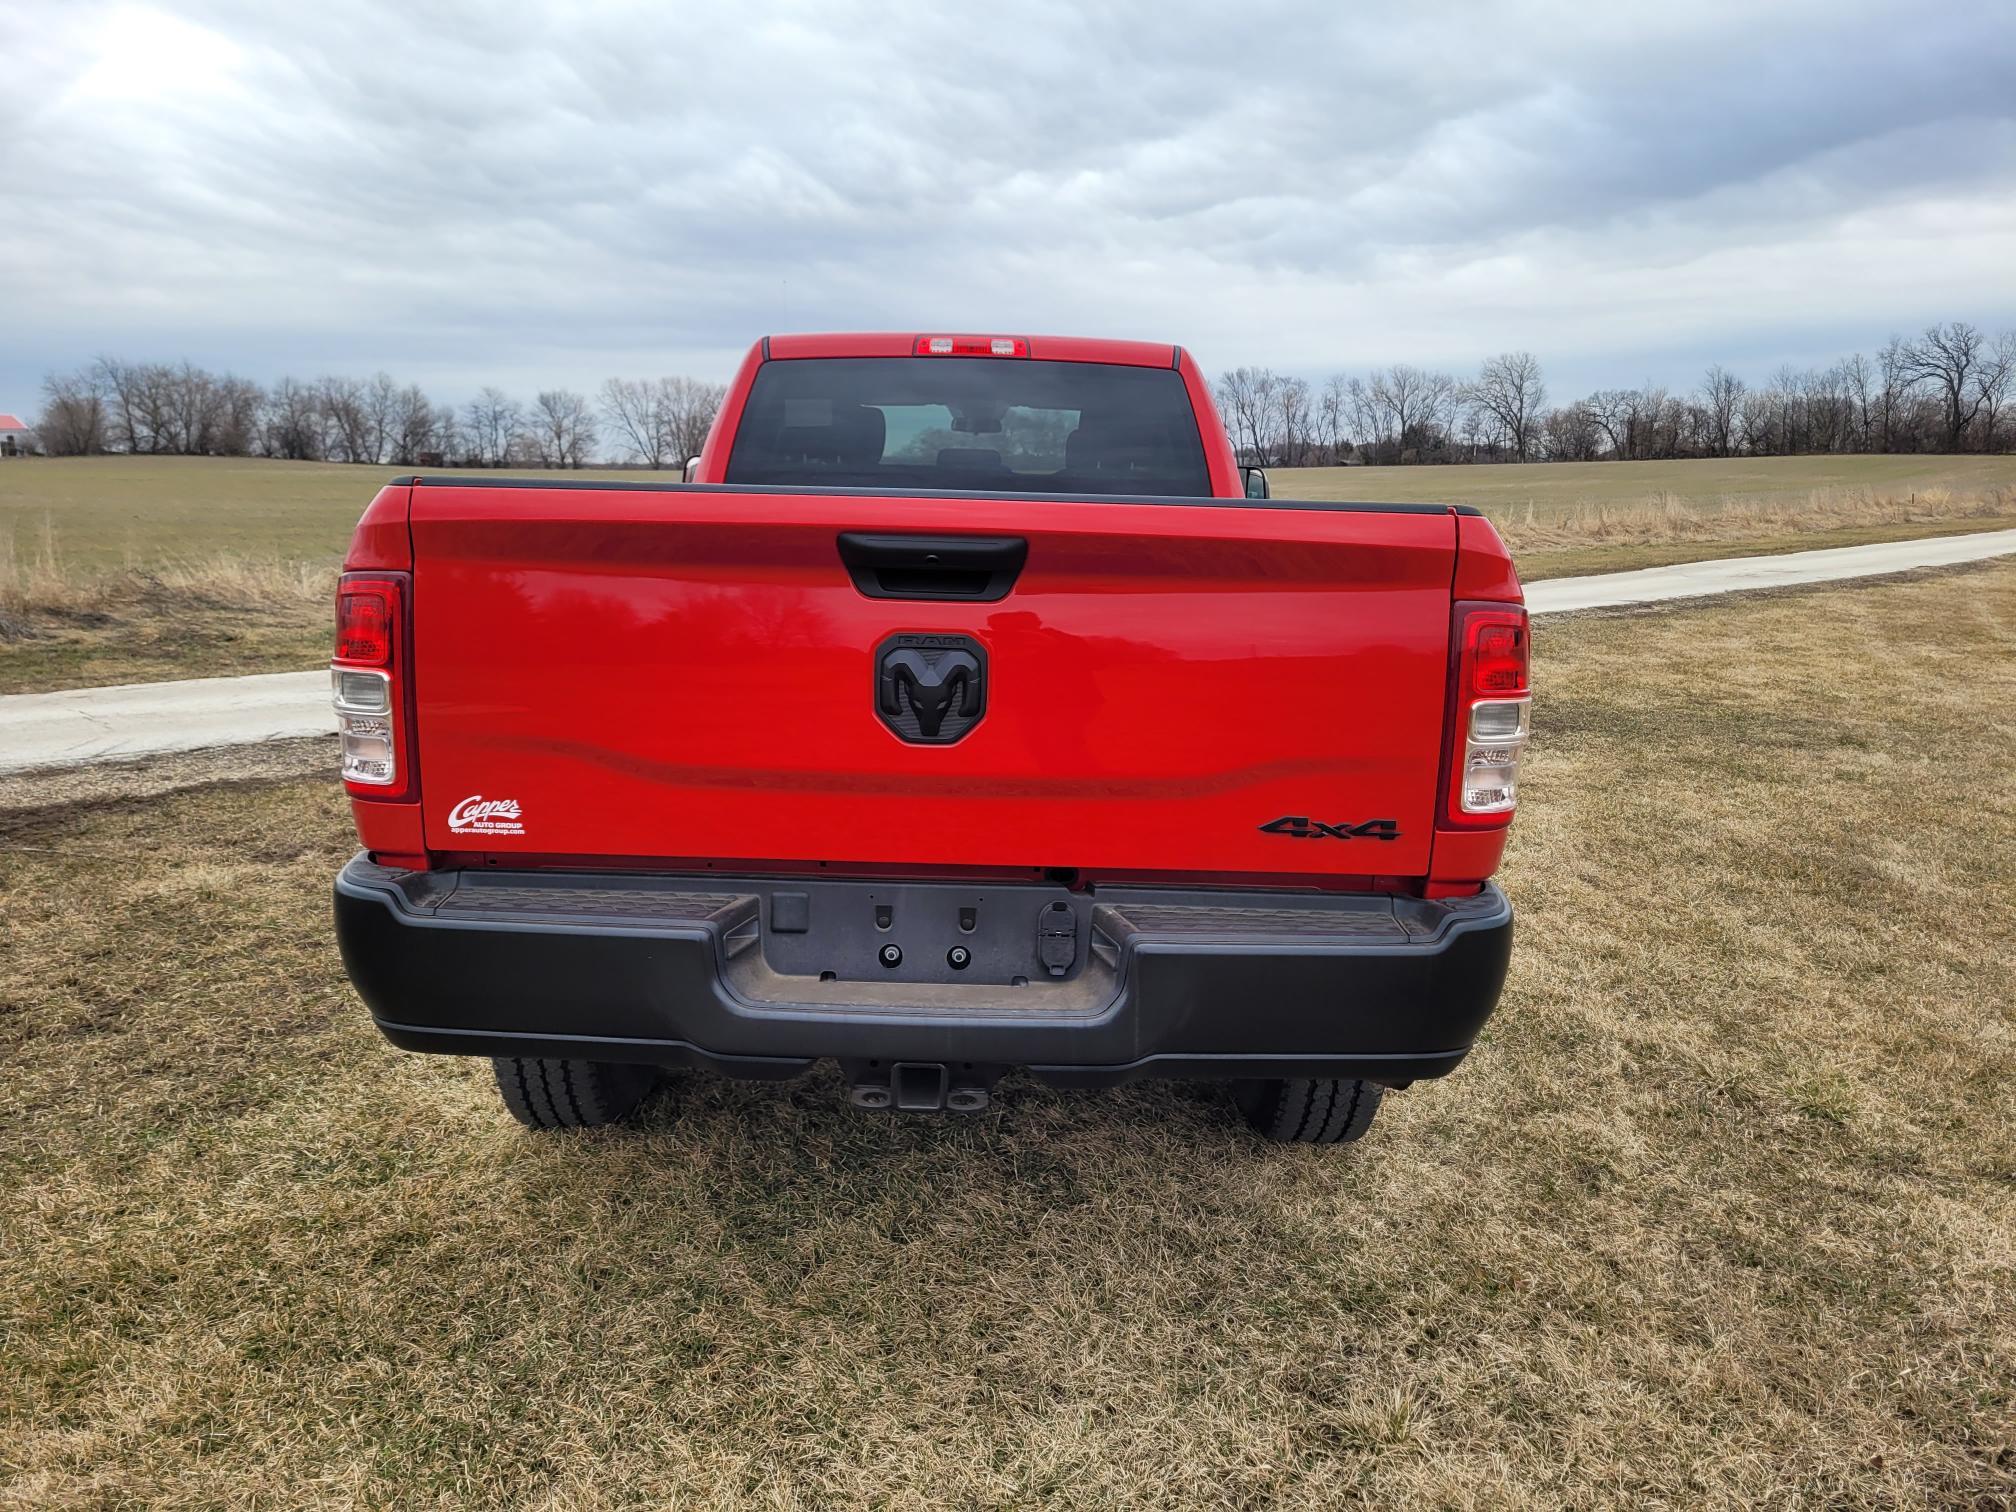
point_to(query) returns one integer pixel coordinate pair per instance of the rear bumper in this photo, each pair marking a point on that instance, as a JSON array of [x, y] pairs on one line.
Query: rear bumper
[[695, 971]]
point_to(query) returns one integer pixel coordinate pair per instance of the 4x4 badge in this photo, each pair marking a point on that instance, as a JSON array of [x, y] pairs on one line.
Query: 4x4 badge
[[1298, 827]]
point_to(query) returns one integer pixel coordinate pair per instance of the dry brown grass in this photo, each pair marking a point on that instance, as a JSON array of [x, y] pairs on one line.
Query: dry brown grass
[[1571, 518], [1721, 1213], [1582, 537], [1675, 517], [1507, 488], [63, 626]]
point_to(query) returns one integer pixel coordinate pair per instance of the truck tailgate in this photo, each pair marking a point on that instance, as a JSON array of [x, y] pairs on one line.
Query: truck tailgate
[[691, 675]]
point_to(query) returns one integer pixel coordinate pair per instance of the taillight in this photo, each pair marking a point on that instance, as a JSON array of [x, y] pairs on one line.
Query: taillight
[[971, 346], [368, 680], [1491, 711], [365, 609]]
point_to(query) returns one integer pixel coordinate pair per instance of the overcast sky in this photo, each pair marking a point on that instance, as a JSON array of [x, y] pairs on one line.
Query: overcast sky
[[539, 195]]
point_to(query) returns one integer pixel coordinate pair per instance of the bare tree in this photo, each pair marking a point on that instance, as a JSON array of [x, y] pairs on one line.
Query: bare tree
[[410, 426], [1509, 390], [1857, 380], [1479, 429], [153, 388], [563, 429], [293, 424], [1415, 405], [152, 408], [1721, 400], [343, 413], [1993, 377], [378, 406], [655, 421], [1572, 434], [1830, 410], [630, 405], [1296, 424], [1333, 408], [688, 407], [449, 438], [1367, 423], [1946, 357], [1614, 412], [494, 421], [1895, 390], [1785, 396], [235, 416], [180, 400], [1758, 423], [130, 405], [1245, 403], [72, 422]]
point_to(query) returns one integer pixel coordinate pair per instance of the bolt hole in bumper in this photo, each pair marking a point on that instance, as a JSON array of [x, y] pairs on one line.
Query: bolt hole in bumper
[[762, 977]]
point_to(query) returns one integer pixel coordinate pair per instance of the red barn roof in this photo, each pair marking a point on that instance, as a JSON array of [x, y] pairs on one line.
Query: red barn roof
[[8, 422]]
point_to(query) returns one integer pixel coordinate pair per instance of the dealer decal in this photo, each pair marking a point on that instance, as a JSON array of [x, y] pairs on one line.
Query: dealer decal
[[477, 815]]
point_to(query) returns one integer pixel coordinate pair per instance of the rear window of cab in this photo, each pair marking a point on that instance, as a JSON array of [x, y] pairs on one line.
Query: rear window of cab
[[970, 423]]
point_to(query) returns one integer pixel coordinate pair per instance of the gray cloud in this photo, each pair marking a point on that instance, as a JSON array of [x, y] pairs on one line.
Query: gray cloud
[[537, 195]]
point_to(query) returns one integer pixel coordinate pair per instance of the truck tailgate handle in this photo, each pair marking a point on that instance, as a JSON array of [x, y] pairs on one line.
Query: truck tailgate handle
[[976, 569]]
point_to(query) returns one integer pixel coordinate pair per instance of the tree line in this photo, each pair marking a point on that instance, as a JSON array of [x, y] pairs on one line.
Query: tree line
[[1947, 390], [179, 409]]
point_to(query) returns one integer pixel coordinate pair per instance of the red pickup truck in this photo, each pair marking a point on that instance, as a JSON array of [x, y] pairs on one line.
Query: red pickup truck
[[966, 711]]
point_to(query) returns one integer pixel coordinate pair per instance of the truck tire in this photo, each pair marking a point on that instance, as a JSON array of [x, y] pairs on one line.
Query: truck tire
[[570, 1094], [1306, 1110]]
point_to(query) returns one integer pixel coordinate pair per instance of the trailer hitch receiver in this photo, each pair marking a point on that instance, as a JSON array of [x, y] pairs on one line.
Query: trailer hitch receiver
[[917, 1087]]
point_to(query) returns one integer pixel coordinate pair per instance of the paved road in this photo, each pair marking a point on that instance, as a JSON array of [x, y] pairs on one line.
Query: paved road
[[142, 719], [1652, 585], [145, 719]]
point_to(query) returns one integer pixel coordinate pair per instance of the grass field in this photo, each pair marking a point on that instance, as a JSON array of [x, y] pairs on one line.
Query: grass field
[[1567, 519], [136, 569], [111, 513], [1721, 1213], [132, 569], [1559, 488]]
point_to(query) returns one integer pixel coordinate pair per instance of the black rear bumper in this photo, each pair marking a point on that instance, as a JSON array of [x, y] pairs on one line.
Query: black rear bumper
[[727, 973]]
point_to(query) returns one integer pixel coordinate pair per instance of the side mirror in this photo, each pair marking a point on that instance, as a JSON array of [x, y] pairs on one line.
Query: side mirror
[[1256, 482], [692, 467]]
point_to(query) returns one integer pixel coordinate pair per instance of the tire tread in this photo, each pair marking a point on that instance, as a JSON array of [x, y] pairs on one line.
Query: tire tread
[[1311, 1110], [547, 1093]]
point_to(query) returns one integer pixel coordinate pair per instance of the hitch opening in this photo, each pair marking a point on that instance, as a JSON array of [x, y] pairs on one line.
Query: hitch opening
[[921, 1087]]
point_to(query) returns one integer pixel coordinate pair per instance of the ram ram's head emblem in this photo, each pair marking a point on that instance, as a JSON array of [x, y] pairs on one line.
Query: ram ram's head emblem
[[930, 689]]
